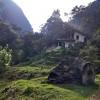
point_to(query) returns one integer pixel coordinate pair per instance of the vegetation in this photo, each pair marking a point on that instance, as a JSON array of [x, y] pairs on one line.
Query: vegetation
[[37, 88], [29, 58], [5, 58], [87, 18]]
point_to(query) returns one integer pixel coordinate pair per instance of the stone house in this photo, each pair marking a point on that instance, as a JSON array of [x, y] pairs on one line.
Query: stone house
[[70, 39]]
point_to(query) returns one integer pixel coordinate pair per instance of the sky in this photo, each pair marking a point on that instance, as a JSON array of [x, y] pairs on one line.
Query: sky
[[38, 11]]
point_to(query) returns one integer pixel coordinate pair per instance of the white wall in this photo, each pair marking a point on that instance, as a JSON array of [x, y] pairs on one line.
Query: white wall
[[66, 44], [80, 39]]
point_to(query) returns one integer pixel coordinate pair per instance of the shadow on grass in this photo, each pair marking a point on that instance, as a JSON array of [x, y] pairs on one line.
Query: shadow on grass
[[85, 91]]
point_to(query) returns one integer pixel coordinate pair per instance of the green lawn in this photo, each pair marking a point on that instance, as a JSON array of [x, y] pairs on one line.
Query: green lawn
[[36, 88]]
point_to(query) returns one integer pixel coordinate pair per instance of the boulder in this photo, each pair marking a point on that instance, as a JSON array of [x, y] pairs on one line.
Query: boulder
[[77, 72]]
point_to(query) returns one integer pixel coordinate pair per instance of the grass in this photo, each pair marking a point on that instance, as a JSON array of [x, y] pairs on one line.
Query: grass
[[26, 72], [37, 89]]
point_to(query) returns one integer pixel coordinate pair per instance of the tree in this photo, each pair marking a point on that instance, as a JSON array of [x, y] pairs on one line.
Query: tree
[[32, 44], [53, 28], [87, 18], [10, 36], [7, 35], [95, 41], [89, 53], [92, 50]]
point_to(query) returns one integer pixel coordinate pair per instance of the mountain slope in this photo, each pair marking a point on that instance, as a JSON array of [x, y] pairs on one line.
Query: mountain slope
[[13, 14]]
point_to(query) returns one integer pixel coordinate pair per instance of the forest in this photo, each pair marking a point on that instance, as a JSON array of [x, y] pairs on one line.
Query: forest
[[32, 67]]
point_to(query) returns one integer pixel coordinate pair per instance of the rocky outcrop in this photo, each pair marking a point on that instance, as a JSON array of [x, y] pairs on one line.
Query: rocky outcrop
[[77, 72], [12, 13]]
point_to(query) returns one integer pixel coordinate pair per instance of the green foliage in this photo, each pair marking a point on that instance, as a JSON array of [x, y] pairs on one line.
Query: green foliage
[[97, 62], [38, 89], [26, 72], [23, 47], [96, 38], [89, 53], [7, 34], [32, 44], [87, 18], [28, 91], [53, 28], [5, 57], [96, 41]]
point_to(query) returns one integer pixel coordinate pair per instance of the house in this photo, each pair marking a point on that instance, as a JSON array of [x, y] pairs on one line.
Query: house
[[71, 39]]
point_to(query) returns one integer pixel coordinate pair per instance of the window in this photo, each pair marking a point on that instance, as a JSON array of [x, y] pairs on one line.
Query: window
[[60, 43], [77, 37]]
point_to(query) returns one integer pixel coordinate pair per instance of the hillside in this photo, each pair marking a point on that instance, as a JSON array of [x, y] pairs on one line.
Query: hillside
[[12, 13], [30, 83]]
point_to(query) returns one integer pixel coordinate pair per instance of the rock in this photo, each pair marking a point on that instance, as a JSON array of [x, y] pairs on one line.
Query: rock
[[77, 72]]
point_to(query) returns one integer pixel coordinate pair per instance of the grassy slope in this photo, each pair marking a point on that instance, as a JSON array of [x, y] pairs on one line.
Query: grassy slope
[[37, 89]]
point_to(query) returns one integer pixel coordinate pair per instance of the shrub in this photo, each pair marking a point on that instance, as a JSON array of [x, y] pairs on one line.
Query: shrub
[[28, 91], [5, 57], [89, 53]]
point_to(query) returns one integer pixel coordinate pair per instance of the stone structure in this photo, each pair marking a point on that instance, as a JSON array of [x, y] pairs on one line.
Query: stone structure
[[71, 39], [76, 71]]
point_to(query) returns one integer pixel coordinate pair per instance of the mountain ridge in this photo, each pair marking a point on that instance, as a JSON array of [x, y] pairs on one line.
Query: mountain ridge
[[13, 14]]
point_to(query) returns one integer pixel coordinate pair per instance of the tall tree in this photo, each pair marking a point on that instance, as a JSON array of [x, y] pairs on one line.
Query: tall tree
[[87, 17], [53, 28]]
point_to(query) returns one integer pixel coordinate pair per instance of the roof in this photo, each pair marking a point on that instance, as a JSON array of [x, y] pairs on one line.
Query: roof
[[68, 25], [66, 40]]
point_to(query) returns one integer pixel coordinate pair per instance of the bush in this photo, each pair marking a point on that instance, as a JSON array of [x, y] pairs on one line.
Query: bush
[[89, 53], [5, 57], [28, 91]]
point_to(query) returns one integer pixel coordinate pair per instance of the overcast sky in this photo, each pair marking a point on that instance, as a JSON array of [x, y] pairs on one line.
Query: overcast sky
[[38, 11]]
